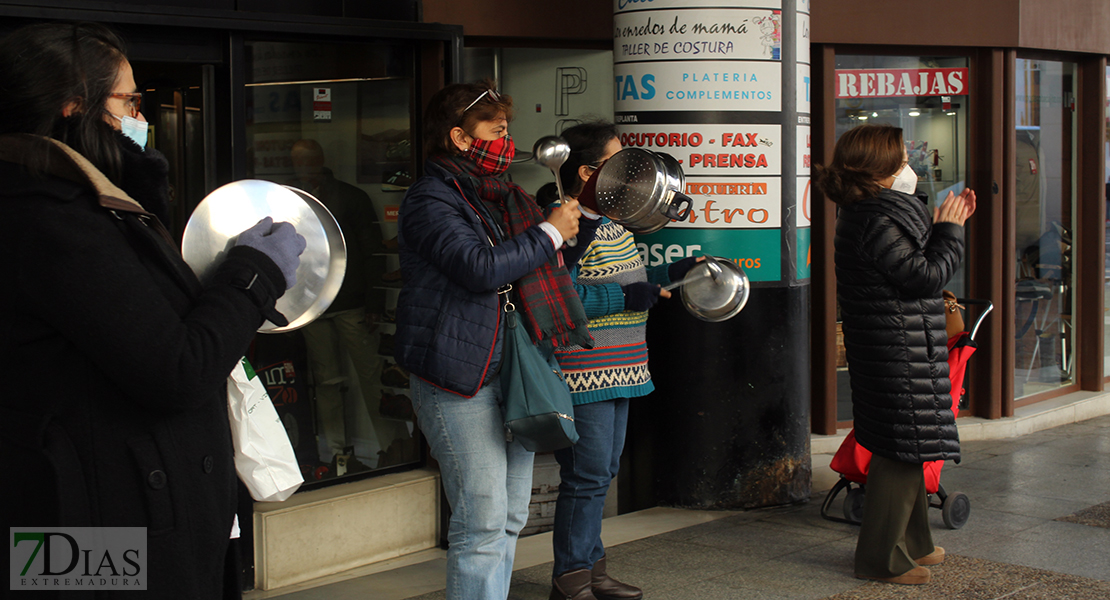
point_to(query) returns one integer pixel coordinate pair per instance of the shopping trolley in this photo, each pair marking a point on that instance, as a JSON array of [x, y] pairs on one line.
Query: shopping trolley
[[852, 460]]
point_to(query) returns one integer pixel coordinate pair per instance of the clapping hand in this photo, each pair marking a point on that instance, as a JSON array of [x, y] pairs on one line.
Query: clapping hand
[[955, 209]]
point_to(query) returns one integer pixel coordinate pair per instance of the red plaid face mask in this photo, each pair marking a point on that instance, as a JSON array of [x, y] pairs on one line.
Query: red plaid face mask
[[492, 157]]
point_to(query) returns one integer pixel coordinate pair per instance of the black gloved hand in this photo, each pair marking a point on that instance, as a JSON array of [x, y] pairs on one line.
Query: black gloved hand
[[280, 242], [640, 296], [677, 270]]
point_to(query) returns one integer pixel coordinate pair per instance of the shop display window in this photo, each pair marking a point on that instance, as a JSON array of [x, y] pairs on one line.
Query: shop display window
[[1045, 122], [927, 97], [1106, 259], [336, 120]]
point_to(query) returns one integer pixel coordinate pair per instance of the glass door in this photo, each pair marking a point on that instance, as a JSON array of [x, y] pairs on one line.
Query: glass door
[[175, 102], [336, 121], [1045, 121], [1106, 268], [927, 97]]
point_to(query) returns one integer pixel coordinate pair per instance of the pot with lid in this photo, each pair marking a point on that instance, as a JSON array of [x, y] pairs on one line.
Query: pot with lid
[[642, 190]]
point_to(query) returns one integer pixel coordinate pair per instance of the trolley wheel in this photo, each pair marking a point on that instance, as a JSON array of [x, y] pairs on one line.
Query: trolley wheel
[[956, 510], [853, 505]]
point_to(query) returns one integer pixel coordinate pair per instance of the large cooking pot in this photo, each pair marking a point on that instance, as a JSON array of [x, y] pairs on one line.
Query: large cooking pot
[[642, 190], [215, 225], [715, 289]]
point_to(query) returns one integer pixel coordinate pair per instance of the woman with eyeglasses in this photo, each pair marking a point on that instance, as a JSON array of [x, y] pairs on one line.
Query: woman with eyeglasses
[[114, 357], [893, 259], [469, 238], [617, 291]]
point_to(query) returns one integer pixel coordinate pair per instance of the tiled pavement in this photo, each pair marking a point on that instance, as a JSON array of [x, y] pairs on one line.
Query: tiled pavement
[[1012, 546]]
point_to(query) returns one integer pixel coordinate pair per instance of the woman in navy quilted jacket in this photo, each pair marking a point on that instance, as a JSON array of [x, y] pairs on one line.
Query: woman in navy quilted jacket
[[893, 258], [466, 236]]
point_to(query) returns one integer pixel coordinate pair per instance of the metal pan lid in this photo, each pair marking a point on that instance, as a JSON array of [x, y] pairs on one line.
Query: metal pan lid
[[718, 290], [218, 220]]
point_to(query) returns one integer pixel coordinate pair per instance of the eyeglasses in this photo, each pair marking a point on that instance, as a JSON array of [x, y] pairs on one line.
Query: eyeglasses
[[492, 96], [134, 100]]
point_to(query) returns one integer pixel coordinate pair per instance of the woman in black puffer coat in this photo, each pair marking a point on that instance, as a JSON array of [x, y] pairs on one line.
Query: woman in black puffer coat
[[892, 261]]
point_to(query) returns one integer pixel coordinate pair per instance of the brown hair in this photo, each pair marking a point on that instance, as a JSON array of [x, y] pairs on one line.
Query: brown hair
[[863, 156], [448, 109]]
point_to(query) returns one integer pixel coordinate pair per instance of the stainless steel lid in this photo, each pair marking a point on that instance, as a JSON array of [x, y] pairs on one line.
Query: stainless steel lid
[[218, 220], [716, 290]]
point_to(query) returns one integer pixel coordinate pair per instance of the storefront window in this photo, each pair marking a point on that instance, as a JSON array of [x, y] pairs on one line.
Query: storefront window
[[1045, 118], [928, 98], [335, 120], [1106, 277]]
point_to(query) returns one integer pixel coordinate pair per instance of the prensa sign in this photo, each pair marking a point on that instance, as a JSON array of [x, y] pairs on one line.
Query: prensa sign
[[891, 83]]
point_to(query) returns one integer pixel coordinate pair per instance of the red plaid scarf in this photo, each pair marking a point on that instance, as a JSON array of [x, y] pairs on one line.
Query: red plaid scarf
[[546, 296]]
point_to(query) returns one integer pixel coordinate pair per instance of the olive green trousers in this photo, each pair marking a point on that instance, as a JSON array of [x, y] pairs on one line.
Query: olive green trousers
[[895, 528]]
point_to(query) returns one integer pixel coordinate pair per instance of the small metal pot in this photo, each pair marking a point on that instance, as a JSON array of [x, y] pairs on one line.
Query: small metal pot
[[642, 190], [715, 290], [215, 225]]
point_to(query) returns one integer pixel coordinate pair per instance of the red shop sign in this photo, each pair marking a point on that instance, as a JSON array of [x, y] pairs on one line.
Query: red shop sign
[[889, 83]]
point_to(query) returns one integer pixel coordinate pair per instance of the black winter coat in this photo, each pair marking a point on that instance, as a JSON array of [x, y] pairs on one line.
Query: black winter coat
[[115, 360], [892, 263]]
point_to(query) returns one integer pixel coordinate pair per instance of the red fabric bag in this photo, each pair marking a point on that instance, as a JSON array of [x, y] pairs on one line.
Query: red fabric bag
[[852, 460]]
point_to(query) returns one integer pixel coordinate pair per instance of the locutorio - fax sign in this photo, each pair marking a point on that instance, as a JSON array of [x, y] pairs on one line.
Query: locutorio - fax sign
[[77, 558]]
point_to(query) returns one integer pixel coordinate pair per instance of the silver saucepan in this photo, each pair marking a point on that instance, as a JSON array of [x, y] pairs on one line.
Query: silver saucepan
[[642, 190]]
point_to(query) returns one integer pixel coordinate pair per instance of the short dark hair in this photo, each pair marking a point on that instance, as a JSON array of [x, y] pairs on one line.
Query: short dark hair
[[587, 143], [863, 156], [45, 67], [448, 109]]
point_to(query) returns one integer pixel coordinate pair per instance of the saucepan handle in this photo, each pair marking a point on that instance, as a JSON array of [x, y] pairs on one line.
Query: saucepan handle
[[673, 211]]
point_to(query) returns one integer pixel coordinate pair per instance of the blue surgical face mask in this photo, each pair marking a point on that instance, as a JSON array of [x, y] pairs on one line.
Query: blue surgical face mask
[[134, 129]]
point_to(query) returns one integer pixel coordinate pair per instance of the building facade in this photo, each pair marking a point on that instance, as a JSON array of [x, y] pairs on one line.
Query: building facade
[[1010, 99]]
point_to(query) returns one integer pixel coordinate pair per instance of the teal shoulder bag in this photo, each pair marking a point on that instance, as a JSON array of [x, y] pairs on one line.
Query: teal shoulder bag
[[535, 398]]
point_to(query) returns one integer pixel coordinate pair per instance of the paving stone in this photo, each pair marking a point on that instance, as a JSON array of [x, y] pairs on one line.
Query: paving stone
[[965, 578], [1095, 516]]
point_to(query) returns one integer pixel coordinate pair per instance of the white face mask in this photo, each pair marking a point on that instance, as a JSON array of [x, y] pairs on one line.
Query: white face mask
[[905, 182], [134, 129]]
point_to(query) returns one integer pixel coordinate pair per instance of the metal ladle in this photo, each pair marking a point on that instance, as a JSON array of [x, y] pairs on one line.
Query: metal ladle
[[552, 151]]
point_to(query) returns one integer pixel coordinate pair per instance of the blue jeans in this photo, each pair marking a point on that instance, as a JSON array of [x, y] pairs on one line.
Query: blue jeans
[[586, 469], [488, 484]]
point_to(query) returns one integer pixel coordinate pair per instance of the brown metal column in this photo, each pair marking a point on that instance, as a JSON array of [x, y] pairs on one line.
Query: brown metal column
[[985, 229], [823, 278], [1008, 253], [1088, 250]]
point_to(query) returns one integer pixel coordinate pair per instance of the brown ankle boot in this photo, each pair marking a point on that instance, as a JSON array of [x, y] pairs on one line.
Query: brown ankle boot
[[574, 585], [607, 588]]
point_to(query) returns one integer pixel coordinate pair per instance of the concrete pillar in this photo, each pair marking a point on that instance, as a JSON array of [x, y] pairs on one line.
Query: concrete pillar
[[723, 86]]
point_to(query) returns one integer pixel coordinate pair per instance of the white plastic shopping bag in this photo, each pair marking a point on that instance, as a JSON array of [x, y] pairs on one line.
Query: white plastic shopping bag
[[264, 457]]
